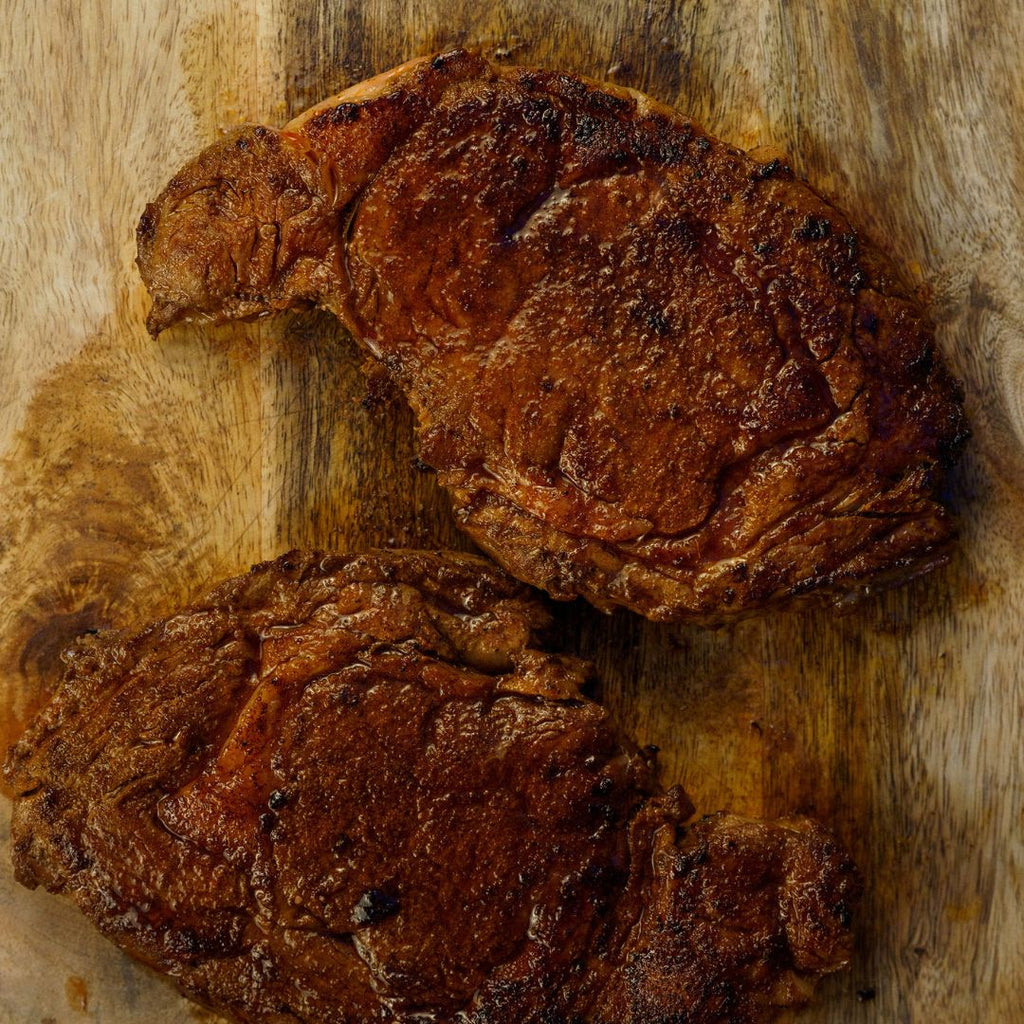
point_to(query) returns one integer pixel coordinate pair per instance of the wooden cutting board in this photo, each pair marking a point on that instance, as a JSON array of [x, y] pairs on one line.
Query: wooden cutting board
[[136, 472]]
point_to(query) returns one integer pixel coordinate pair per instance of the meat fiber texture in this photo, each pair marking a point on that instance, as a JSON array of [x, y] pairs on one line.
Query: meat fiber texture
[[354, 788], [649, 369]]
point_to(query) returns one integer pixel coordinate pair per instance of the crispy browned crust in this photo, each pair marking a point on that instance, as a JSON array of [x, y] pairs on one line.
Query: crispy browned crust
[[355, 788], [650, 369]]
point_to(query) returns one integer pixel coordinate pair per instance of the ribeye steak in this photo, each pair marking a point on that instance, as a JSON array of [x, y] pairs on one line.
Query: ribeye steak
[[650, 369], [353, 788]]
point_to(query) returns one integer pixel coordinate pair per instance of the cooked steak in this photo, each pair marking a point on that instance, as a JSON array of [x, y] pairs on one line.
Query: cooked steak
[[650, 369], [353, 788]]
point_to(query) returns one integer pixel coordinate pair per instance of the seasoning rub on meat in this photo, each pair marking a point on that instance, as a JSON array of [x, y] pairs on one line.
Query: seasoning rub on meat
[[650, 370], [355, 788]]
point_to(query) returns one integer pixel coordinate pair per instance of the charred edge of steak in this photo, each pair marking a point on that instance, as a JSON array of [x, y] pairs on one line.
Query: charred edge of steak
[[271, 202], [566, 567]]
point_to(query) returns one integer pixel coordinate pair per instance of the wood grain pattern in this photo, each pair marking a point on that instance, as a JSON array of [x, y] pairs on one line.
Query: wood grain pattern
[[135, 472]]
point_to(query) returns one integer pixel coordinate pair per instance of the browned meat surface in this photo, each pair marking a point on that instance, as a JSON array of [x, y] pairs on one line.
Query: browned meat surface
[[354, 788], [650, 369]]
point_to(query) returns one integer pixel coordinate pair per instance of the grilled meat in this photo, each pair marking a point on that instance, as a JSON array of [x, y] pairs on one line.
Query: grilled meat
[[650, 369], [353, 788]]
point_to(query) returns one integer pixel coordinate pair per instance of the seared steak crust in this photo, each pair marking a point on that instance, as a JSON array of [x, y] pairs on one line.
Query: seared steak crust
[[353, 789], [650, 369]]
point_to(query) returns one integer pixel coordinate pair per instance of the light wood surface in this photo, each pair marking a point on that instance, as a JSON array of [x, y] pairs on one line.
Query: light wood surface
[[135, 472]]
